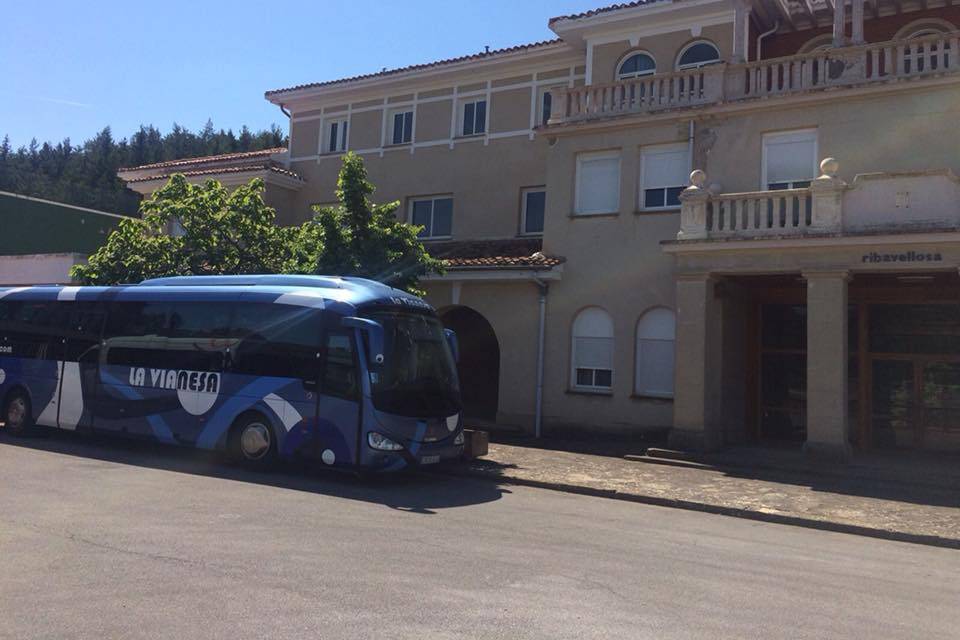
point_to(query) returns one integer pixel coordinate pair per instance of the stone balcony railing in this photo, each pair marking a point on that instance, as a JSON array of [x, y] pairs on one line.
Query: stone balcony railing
[[873, 202], [838, 67]]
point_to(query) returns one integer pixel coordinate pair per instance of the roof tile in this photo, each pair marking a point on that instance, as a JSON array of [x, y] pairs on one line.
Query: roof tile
[[607, 9], [519, 252], [417, 67], [220, 170], [207, 159]]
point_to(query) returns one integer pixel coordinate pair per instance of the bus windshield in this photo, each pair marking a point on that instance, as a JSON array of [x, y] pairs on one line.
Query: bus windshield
[[418, 377]]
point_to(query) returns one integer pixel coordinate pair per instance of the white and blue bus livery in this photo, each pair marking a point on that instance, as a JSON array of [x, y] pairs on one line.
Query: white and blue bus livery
[[344, 370]]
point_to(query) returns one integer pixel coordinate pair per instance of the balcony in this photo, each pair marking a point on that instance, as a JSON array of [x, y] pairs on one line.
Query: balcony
[[874, 63], [873, 203]]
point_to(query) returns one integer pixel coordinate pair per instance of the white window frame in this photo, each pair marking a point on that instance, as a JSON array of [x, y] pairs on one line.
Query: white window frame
[[591, 388], [343, 135], [636, 74], [391, 124], [462, 113], [648, 152], [697, 65], [772, 137], [595, 155], [638, 355], [523, 209], [432, 200], [541, 97]]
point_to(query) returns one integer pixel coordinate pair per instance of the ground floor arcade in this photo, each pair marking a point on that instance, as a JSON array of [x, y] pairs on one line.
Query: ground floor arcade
[[822, 346]]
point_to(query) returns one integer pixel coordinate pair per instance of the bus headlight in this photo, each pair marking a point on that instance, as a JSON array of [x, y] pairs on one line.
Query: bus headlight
[[459, 438], [381, 442]]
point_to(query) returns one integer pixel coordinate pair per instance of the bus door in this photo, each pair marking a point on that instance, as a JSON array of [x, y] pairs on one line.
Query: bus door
[[338, 410], [82, 324], [137, 387], [274, 367]]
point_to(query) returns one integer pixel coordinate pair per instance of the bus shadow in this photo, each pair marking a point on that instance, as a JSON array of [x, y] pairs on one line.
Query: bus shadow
[[407, 491]]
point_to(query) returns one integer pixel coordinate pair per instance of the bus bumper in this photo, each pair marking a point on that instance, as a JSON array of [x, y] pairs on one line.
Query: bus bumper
[[419, 455]]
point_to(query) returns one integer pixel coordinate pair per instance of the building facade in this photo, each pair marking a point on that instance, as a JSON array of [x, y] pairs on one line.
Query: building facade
[[734, 220]]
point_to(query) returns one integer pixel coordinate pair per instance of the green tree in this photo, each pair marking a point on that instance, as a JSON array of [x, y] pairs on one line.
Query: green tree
[[360, 238], [217, 232]]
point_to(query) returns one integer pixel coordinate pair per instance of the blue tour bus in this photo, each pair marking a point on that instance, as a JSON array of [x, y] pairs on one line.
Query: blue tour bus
[[345, 370]]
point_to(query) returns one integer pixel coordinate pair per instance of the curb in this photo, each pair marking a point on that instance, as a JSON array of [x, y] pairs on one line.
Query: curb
[[797, 521]]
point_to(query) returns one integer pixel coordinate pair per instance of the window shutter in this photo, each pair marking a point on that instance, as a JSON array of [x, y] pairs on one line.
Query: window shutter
[[598, 184], [791, 157], [656, 333], [665, 168]]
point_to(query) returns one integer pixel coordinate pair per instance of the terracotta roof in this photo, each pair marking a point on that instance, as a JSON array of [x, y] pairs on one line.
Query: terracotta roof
[[607, 9], [206, 159], [519, 252], [416, 67], [220, 170]]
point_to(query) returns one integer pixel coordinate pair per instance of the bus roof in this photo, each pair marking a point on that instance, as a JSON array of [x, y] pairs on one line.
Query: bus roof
[[303, 290]]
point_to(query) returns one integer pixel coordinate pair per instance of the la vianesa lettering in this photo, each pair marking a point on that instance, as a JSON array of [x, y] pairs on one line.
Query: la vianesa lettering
[[175, 379], [909, 256]]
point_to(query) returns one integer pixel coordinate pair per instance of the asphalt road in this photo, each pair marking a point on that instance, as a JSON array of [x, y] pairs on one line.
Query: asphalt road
[[113, 540]]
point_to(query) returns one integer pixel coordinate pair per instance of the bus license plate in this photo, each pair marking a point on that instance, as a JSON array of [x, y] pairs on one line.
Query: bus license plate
[[429, 459]]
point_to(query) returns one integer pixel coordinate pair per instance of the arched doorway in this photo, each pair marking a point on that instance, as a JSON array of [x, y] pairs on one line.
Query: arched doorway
[[479, 366]]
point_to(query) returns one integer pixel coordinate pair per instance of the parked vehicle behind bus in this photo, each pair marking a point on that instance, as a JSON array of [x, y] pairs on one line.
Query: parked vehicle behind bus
[[344, 370]]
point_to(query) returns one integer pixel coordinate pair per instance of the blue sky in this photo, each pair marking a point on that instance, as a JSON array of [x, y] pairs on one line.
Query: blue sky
[[71, 68]]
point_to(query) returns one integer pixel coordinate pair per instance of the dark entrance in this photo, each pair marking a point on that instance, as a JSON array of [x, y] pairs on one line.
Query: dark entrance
[[479, 366], [904, 359]]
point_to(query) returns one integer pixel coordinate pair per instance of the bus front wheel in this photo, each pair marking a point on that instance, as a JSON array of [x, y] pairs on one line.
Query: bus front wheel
[[17, 413], [252, 442]]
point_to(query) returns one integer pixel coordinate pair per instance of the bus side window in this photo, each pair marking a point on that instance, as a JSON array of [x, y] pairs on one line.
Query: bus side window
[[33, 330], [339, 371], [134, 334], [83, 323], [276, 340], [198, 334]]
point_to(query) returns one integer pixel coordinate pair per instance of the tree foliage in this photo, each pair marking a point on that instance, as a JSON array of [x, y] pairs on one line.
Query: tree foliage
[[219, 231], [86, 174], [364, 239]]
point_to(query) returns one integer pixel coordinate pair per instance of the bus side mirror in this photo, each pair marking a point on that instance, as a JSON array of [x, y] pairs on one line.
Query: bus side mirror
[[374, 331], [451, 337]]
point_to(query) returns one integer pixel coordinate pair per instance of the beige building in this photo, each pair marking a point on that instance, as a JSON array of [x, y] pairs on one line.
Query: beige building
[[641, 233]]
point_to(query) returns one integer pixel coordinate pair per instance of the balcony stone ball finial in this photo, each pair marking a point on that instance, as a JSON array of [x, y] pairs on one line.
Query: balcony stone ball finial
[[698, 178], [829, 167]]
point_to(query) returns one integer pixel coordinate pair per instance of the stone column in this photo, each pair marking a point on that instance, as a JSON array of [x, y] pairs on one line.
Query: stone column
[[839, 23], [827, 428], [856, 17], [697, 421], [741, 31]]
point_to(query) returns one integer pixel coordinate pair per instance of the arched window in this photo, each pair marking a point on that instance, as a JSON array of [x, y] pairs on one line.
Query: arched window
[[924, 27], [819, 43], [591, 356], [656, 331], [636, 65], [696, 54]]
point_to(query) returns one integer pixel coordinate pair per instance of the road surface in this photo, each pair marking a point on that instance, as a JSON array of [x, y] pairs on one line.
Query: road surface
[[115, 540]]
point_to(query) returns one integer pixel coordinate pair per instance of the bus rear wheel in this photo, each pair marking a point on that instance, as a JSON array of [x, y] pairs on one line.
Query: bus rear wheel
[[17, 413], [252, 442]]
